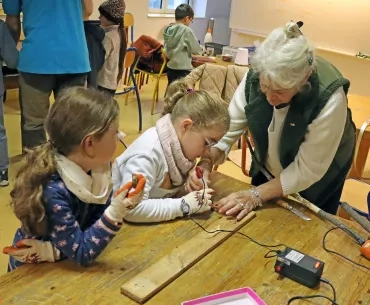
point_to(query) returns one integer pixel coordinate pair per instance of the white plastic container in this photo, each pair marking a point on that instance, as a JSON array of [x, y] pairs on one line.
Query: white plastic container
[[242, 57]]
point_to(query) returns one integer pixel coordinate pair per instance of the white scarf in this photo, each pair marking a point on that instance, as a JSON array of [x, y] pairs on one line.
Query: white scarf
[[94, 188]]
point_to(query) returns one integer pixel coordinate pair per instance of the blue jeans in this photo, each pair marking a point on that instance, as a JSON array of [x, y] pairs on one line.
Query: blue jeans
[[4, 157]]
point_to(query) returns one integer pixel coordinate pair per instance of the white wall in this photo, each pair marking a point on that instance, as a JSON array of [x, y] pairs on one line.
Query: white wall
[[355, 69], [220, 10]]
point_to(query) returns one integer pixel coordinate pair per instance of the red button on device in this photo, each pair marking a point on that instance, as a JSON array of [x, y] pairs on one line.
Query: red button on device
[[278, 268], [317, 265]]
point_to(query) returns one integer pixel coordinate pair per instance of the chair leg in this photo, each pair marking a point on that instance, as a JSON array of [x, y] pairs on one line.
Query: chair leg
[[157, 89], [142, 79], [126, 97], [157, 96], [139, 106], [147, 79], [125, 78], [140, 83], [153, 102]]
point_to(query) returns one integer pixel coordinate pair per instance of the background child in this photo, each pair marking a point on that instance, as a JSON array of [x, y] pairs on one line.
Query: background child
[[115, 44], [180, 43], [193, 121], [94, 38], [62, 191], [9, 54]]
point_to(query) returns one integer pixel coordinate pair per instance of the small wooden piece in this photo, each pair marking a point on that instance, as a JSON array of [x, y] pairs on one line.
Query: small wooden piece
[[152, 280]]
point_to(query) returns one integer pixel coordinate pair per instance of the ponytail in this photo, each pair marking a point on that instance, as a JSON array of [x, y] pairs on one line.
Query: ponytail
[[122, 51], [205, 109], [176, 91], [27, 195]]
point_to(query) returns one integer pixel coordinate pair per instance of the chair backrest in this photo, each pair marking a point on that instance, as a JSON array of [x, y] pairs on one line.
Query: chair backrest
[[130, 58], [128, 21]]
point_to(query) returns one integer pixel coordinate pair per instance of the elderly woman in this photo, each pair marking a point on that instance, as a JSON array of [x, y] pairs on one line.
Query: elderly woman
[[295, 108]]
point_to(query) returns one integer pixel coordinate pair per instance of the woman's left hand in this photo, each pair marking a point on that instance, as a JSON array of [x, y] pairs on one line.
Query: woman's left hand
[[239, 203]]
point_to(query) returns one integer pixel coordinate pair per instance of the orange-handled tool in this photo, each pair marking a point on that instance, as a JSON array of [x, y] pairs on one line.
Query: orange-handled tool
[[138, 183]]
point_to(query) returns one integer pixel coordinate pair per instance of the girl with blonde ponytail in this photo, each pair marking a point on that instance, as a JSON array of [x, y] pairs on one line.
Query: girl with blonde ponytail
[[62, 192], [193, 121]]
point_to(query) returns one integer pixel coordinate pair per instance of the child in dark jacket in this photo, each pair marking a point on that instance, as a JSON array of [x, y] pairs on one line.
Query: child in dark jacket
[[62, 192], [94, 37], [9, 55]]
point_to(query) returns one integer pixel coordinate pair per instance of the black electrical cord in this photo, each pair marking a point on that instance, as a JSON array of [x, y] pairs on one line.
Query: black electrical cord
[[333, 301], [269, 247], [242, 234], [336, 253]]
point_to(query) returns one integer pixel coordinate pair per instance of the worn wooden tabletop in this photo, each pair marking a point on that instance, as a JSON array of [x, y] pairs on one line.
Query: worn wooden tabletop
[[235, 263]]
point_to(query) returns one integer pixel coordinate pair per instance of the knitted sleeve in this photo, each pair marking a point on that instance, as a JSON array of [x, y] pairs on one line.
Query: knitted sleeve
[[319, 148], [108, 46], [66, 234], [148, 210], [238, 119]]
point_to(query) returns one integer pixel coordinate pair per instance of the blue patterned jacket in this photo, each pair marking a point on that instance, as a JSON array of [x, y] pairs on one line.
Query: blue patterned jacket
[[79, 230]]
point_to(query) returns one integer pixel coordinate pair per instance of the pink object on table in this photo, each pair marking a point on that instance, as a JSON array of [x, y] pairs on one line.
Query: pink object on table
[[245, 296]]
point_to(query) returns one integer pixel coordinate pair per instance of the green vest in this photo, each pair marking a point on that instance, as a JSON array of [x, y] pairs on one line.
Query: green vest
[[304, 108]]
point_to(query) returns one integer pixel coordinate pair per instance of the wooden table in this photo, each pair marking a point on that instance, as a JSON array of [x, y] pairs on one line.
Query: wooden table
[[360, 106], [235, 263], [217, 61]]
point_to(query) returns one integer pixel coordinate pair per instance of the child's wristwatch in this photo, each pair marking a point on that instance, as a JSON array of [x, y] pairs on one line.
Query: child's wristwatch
[[185, 208]]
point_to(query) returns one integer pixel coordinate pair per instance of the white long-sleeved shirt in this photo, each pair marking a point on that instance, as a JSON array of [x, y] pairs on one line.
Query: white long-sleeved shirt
[[145, 156], [314, 155]]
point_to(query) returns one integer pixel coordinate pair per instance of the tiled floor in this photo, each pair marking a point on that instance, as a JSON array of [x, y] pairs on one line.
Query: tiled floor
[[128, 124]]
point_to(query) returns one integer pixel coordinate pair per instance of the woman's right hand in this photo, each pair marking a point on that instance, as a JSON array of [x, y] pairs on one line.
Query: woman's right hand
[[197, 201], [193, 183]]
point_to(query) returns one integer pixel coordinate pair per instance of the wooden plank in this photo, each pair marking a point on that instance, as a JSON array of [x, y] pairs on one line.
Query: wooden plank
[[156, 277]]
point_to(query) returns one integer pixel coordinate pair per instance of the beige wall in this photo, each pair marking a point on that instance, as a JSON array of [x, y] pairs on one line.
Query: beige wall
[[144, 25], [357, 70]]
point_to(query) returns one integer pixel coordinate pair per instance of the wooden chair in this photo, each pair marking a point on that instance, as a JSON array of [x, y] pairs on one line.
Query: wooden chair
[[128, 21], [361, 153], [156, 76], [131, 59], [356, 194]]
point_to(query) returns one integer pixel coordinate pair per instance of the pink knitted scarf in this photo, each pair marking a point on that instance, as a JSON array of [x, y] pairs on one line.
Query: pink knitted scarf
[[178, 165]]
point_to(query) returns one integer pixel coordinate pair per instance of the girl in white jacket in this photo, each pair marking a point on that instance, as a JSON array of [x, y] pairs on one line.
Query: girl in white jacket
[[193, 121]]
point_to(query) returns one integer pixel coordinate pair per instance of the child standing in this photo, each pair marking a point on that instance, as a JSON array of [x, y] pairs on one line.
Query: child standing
[[180, 44], [115, 44], [94, 34], [9, 54], [62, 192], [193, 122]]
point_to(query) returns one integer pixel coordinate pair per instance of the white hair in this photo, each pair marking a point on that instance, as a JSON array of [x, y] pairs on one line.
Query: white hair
[[285, 58]]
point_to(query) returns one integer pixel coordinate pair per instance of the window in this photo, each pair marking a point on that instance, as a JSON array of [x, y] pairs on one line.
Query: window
[[165, 6]]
